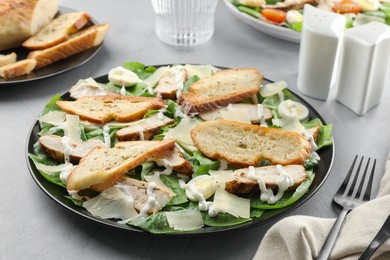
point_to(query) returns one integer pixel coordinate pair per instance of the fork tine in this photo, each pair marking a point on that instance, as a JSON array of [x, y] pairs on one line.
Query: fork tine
[[352, 178], [360, 191], [345, 184], [367, 194], [357, 179]]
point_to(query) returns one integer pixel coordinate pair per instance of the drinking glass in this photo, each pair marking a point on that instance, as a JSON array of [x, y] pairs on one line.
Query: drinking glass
[[184, 22]]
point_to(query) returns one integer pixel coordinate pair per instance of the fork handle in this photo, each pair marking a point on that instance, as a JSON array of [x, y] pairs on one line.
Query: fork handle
[[332, 236]]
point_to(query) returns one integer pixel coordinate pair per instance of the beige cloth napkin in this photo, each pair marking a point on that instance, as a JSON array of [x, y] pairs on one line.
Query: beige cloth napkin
[[301, 237]]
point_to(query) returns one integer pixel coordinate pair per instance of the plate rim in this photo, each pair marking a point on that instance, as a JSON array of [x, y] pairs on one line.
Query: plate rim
[[94, 50], [200, 232], [273, 30]]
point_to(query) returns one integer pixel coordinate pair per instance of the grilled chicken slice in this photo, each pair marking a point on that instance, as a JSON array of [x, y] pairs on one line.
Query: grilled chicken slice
[[54, 148], [171, 82], [144, 129], [175, 159], [242, 185]]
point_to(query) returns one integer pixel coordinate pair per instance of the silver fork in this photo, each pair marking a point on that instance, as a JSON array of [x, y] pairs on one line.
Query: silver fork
[[355, 190]]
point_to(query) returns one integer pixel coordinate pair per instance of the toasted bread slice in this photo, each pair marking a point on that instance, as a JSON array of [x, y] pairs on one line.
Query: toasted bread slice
[[57, 31], [169, 83], [246, 145], [221, 89], [242, 185], [7, 59], [19, 68], [77, 42], [252, 109], [143, 129], [54, 148], [103, 109], [175, 159], [103, 167]]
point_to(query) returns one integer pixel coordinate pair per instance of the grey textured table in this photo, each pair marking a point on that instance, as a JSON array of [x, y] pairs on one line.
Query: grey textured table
[[32, 226]]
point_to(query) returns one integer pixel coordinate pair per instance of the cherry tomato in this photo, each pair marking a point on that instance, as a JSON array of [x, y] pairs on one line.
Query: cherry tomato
[[274, 15], [346, 6]]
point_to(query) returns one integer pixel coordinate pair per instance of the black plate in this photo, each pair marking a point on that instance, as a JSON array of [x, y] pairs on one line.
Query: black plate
[[56, 68], [58, 194]]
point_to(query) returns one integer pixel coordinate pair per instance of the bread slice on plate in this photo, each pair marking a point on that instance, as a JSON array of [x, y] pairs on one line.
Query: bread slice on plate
[[242, 185], [221, 89], [19, 68], [103, 167], [7, 59], [77, 42], [103, 109], [54, 148], [246, 145], [57, 31]]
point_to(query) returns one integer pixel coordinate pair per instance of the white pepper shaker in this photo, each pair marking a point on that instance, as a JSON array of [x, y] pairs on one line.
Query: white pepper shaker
[[364, 66], [318, 53]]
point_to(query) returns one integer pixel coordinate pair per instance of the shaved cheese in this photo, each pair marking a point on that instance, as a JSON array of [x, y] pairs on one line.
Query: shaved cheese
[[236, 114], [200, 70], [232, 204], [222, 176], [156, 76], [87, 87], [115, 202], [156, 179], [182, 131], [50, 169], [185, 220], [55, 118], [273, 88], [72, 129]]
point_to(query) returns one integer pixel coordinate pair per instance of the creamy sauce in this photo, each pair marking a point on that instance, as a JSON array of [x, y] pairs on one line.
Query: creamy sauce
[[74, 194], [123, 90], [106, 135], [203, 204], [160, 114], [223, 165], [168, 167], [140, 131], [260, 113], [67, 148], [151, 203], [314, 147], [284, 181], [178, 80], [65, 172]]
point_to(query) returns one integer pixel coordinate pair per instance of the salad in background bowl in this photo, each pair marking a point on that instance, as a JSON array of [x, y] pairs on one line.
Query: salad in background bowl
[[289, 13]]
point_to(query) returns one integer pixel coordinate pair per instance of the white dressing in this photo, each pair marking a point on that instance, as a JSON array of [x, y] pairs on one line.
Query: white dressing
[[67, 148], [106, 135], [152, 203], [156, 179], [204, 185]]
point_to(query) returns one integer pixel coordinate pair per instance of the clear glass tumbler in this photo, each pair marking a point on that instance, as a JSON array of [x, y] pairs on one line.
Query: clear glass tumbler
[[184, 22]]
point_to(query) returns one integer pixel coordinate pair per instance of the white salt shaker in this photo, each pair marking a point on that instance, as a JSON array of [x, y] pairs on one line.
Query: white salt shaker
[[318, 53], [364, 65]]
